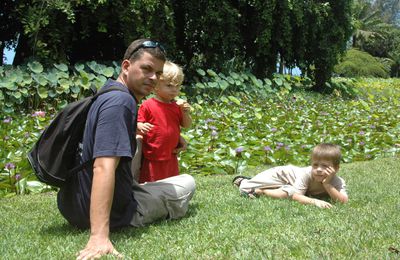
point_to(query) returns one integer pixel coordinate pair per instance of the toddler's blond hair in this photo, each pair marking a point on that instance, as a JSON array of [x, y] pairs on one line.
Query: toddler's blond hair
[[172, 72]]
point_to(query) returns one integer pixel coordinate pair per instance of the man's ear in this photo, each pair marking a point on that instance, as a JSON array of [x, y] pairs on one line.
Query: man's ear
[[125, 66]]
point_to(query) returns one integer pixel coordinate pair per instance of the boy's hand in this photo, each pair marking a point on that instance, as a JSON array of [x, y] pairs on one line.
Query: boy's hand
[[322, 204], [184, 105], [330, 173], [144, 128]]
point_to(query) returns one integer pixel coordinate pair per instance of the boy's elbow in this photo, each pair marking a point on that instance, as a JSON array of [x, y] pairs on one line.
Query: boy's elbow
[[344, 199]]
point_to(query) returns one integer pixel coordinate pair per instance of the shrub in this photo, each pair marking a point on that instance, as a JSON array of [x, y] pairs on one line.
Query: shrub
[[361, 64]]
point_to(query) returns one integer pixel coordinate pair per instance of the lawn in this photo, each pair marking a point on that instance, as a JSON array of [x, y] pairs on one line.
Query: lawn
[[222, 225]]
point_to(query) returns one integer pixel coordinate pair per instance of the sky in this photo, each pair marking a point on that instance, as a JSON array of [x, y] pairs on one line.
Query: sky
[[9, 54]]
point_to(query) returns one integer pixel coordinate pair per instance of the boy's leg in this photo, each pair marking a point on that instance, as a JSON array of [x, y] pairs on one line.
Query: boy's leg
[[267, 179], [167, 198]]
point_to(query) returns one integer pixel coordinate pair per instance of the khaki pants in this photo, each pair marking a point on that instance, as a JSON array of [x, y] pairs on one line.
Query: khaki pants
[[164, 199]]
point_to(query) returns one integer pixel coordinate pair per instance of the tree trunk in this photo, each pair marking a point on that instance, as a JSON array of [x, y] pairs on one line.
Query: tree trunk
[[22, 51]]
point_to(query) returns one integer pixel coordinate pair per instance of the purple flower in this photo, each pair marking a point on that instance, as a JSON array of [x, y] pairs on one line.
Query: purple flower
[[361, 143], [361, 133], [303, 146], [7, 120], [273, 129], [239, 150], [373, 126], [279, 144], [287, 148], [214, 133], [267, 148], [39, 114], [17, 177], [9, 166], [241, 127], [208, 120], [213, 127], [350, 124]]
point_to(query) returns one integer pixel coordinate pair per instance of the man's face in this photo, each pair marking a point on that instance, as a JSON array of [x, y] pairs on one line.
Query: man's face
[[143, 74]]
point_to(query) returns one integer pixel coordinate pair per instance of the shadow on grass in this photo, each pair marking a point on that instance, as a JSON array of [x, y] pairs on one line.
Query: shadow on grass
[[63, 230]]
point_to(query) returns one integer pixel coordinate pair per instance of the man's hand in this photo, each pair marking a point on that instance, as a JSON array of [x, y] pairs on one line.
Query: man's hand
[[330, 173], [97, 247], [143, 128], [182, 145]]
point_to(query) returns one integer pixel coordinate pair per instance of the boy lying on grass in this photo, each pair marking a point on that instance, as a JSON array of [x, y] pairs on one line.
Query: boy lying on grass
[[299, 183]]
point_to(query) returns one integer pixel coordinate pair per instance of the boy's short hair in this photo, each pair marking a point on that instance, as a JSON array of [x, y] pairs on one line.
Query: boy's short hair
[[136, 49], [327, 151], [172, 72]]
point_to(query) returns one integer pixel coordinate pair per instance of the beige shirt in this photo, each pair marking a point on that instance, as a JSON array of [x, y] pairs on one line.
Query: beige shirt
[[291, 179], [305, 185]]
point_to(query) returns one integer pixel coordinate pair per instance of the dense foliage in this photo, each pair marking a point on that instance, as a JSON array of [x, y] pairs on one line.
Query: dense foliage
[[360, 64], [239, 121], [220, 35], [377, 32]]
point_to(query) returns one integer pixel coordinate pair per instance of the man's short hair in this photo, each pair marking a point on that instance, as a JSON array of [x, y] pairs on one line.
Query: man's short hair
[[327, 151], [136, 49]]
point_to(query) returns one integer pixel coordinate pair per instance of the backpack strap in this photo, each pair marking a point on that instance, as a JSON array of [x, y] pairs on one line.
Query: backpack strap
[[103, 91], [79, 167]]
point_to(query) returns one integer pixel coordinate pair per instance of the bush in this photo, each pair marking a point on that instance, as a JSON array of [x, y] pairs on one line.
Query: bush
[[361, 64]]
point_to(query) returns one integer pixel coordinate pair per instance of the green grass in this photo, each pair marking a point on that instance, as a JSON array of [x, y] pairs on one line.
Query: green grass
[[222, 225]]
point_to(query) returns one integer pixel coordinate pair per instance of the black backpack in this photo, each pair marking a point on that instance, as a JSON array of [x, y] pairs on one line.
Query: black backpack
[[55, 156]]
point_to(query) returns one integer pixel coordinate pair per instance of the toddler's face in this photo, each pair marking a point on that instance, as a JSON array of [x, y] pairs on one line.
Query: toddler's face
[[166, 90], [320, 167]]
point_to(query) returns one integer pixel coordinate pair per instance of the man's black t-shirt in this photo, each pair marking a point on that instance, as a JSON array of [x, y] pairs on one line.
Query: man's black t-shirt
[[109, 132]]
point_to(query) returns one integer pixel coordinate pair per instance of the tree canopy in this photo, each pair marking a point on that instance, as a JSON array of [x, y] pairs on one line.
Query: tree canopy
[[221, 35]]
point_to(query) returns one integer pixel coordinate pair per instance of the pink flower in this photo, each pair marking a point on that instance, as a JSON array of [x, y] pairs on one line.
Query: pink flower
[[39, 114]]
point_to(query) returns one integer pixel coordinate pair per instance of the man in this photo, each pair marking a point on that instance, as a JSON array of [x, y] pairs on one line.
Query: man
[[104, 195]]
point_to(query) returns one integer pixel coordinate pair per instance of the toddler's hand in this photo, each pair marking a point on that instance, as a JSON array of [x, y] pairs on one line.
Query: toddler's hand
[[144, 128], [182, 146], [184, 105]]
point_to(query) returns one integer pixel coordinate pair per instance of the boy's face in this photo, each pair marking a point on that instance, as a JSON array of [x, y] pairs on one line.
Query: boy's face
[[321, 167], [166, 90]]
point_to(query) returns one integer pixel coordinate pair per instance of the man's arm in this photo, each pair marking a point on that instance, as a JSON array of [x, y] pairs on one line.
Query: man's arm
[[100, 207]]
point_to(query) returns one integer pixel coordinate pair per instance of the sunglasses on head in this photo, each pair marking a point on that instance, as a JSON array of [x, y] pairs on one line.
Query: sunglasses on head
[[148, 44]]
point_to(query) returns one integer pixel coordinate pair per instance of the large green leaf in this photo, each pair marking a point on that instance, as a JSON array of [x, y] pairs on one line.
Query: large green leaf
[[234, 100], [42, 92], [61, 67], [108, 72], [35, 67]]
